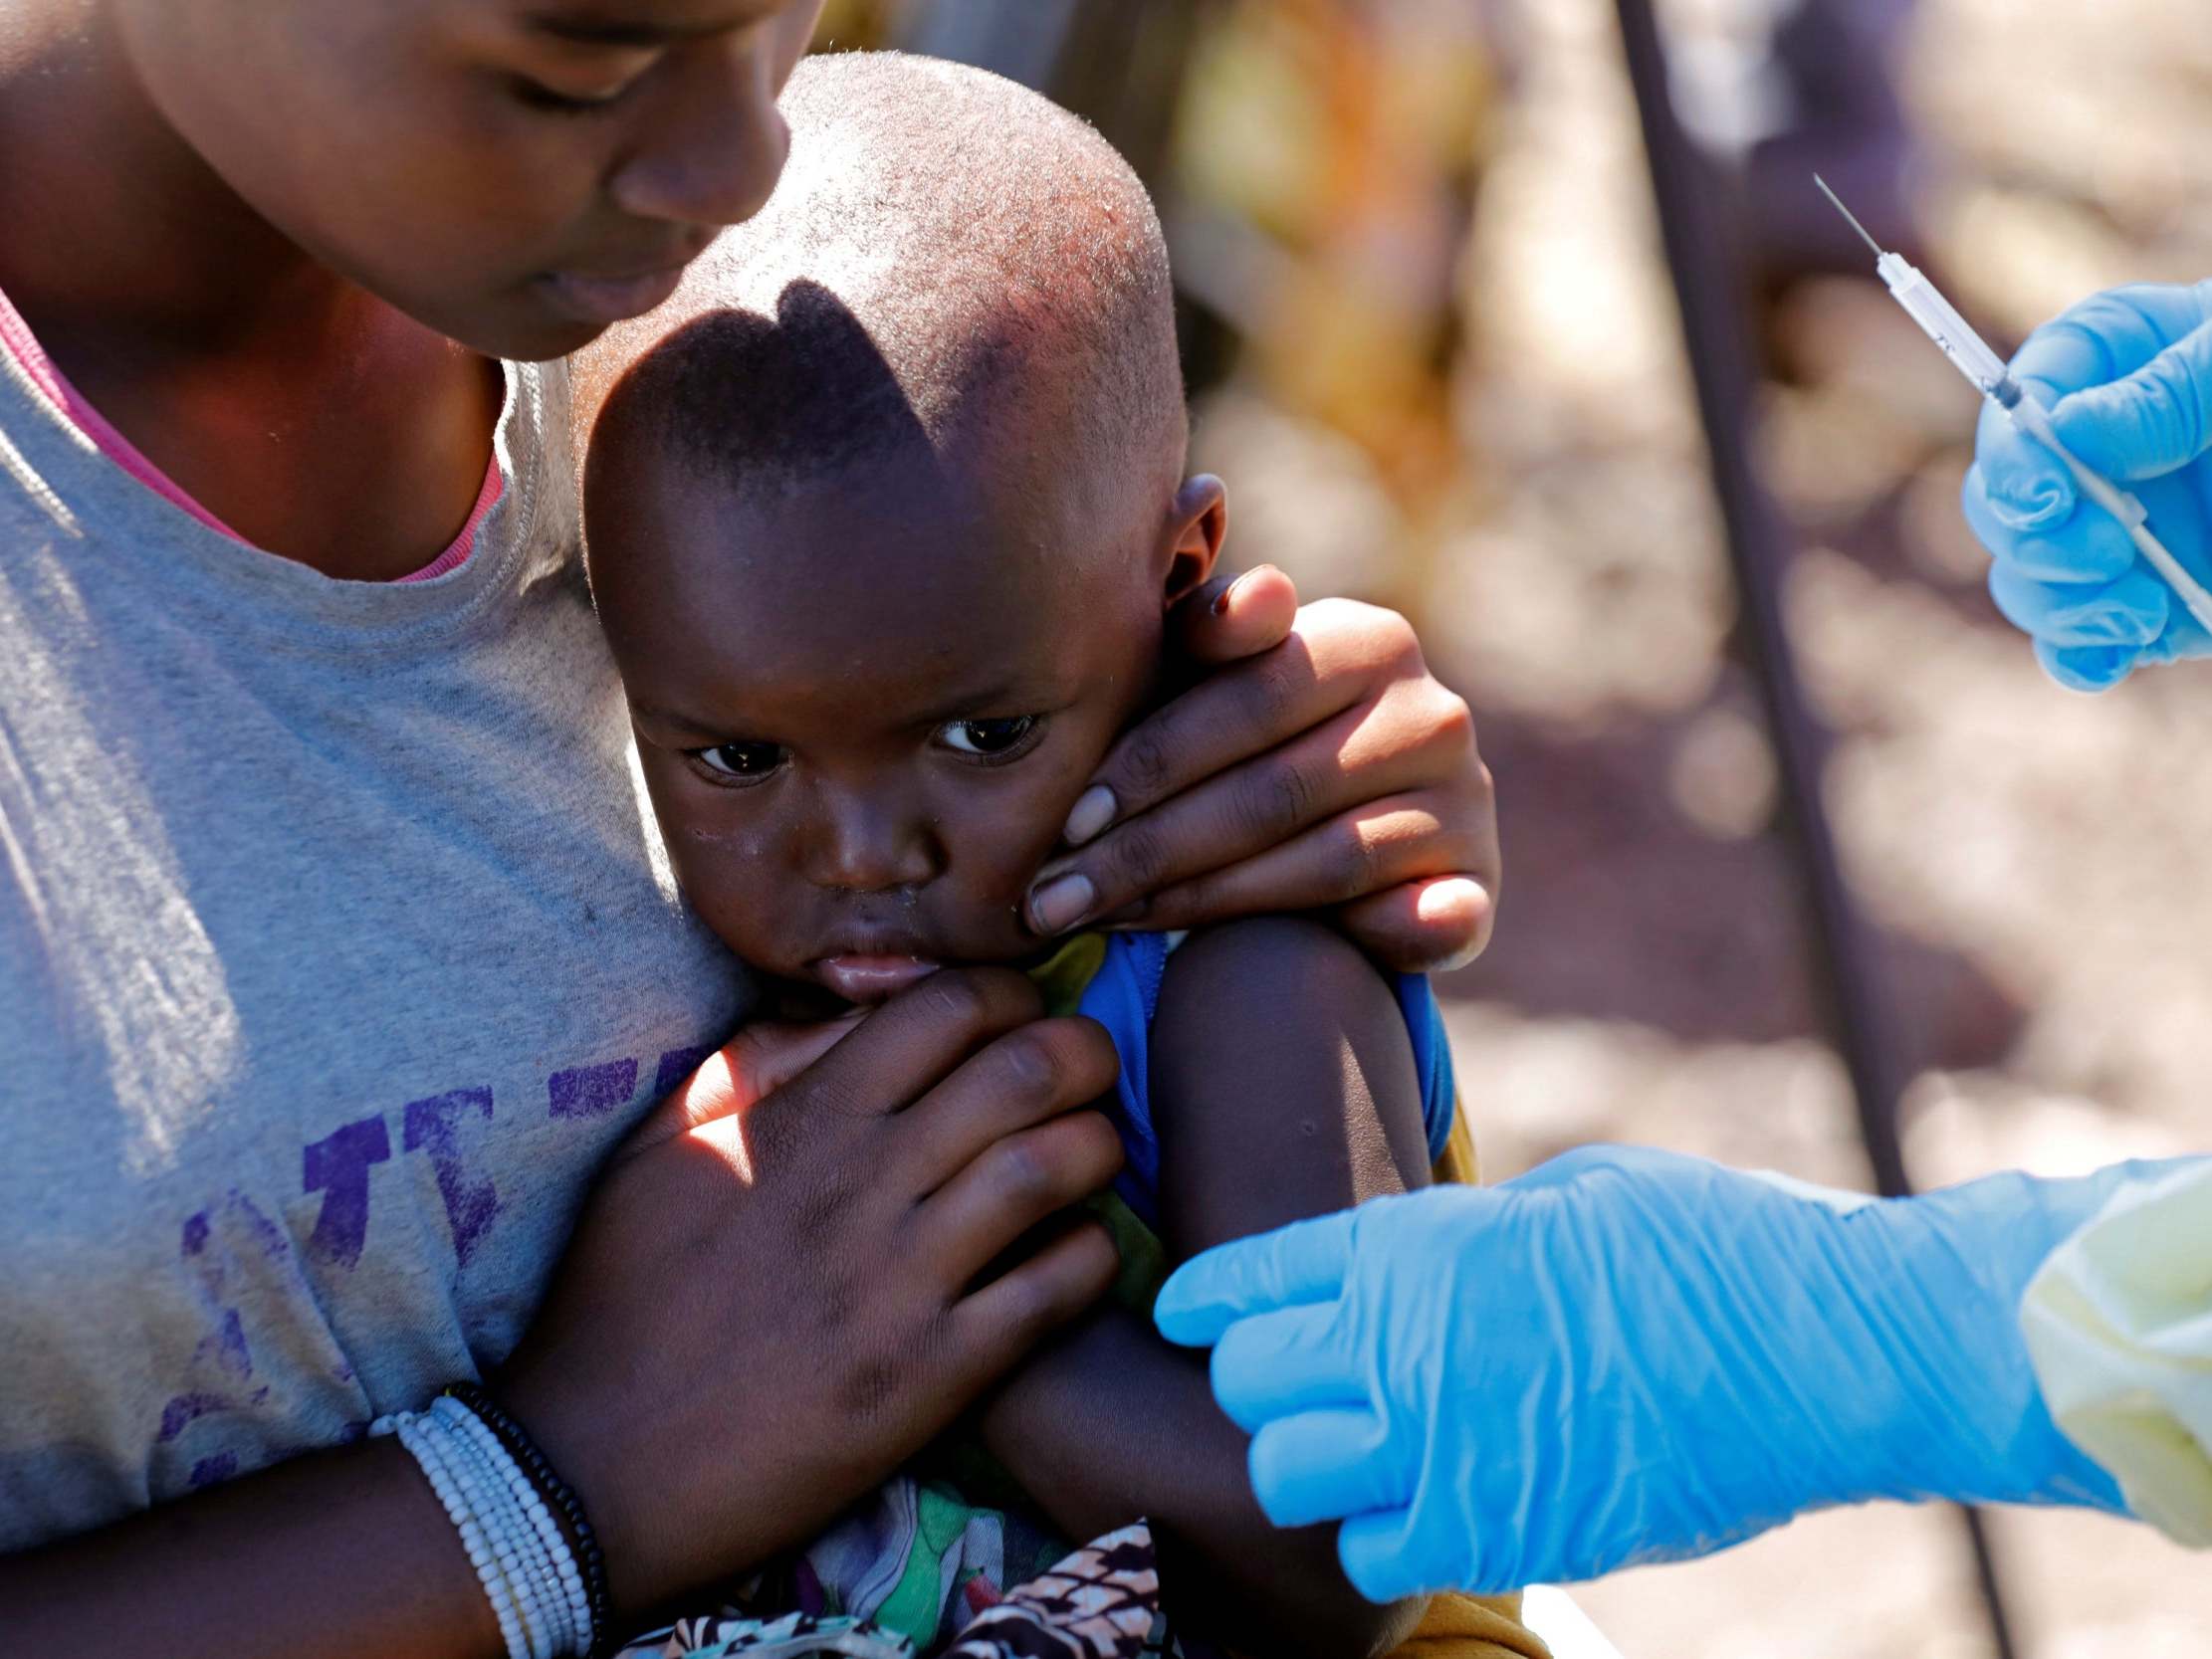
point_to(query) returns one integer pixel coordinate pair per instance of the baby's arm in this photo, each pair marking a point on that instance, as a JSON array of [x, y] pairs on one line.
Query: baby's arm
[[1282, 1086]]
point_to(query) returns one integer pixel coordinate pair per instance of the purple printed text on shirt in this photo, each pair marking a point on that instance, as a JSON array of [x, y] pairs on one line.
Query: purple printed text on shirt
[[676, 1064], [183, 1409], [212, 1256], [213, 1471], [433, 1127], [591, 1090], [338, 1168], [227, 1346], [448, 1130]]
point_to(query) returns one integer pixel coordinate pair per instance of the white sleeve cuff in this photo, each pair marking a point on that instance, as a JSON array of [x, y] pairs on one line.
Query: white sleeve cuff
[[2119, 1324]]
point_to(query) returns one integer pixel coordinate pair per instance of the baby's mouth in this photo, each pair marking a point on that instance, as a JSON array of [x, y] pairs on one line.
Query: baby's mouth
[[870, 977]]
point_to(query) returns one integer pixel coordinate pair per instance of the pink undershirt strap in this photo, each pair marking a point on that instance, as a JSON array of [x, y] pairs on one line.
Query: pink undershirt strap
[[23, 345]]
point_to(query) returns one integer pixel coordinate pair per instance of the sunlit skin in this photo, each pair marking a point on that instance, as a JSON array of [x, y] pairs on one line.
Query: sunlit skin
[[277, 239], [865, 707], [516, 174]]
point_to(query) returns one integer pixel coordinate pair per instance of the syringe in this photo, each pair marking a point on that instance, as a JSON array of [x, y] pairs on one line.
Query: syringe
[[1941, 321]]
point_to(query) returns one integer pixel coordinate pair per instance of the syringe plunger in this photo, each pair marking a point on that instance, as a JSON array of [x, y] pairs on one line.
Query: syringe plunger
[[1939, 320]]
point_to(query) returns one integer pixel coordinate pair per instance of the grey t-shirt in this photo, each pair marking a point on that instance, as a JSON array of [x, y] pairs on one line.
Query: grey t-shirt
[[336, 949]]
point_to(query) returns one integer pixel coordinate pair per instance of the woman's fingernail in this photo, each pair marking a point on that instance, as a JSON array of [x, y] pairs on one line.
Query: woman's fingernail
[[1062, 902], [1221, 599], [1093, 810], [1456, 900]]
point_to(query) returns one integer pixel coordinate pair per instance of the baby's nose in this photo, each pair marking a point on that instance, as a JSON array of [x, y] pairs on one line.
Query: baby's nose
[[859, 849]]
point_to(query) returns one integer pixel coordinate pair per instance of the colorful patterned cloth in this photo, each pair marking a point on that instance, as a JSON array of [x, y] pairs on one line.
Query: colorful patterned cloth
[[1101, 1602]]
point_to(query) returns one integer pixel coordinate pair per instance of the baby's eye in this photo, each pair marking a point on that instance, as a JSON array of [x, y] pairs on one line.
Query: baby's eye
[[996, 739], [743, 761]]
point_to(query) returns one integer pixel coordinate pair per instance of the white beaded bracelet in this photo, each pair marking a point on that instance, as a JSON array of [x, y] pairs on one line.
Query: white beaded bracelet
[[507, 1530], [559, 1606], [520, 1553], [427, 1447], [549, 1610], [451, 1464], [569, 1579]]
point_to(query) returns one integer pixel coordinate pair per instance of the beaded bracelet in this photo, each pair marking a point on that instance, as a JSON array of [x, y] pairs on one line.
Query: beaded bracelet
[[561, 1585], [430, 1445], [504, 1495], [594, 1627]]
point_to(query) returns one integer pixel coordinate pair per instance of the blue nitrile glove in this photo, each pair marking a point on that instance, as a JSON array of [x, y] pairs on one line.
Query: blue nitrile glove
[[2128, 376], [1629, 1356]]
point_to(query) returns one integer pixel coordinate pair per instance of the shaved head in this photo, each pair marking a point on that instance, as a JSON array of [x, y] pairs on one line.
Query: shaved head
[[884, 516], [947, 253]]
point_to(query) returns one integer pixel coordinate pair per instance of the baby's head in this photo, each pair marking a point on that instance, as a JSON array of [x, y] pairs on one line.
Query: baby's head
[[885, 511]]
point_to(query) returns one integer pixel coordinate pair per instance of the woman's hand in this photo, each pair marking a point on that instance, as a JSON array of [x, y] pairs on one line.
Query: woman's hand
[[2128, 376], [777, 1294], [1625, 1356], [1319, 766]]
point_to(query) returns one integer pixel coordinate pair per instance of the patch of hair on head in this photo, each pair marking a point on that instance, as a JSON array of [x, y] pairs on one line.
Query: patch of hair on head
[[947, 250]]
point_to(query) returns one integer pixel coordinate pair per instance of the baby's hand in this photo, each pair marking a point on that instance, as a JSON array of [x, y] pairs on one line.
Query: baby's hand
[[1320, 766]]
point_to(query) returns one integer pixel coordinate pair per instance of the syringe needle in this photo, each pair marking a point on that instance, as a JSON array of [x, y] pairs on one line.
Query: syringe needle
[[1848, 214]]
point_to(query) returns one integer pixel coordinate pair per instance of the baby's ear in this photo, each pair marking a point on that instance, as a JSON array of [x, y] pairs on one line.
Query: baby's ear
[[1197, 523]]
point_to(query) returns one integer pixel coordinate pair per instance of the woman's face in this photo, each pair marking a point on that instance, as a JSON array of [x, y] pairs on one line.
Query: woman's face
[[517, 174]]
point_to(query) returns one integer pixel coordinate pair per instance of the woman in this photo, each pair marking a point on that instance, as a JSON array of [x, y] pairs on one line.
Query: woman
[[338, 973], [1627, 1355]]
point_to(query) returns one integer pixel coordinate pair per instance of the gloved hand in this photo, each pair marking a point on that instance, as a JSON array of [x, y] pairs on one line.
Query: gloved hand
[[1628, 1355], [2130, 377]]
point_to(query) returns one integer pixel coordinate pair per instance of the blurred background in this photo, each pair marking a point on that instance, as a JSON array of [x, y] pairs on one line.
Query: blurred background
[[1434, 348]]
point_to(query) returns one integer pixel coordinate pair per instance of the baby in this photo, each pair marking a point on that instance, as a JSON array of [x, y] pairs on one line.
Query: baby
[[885, 512]]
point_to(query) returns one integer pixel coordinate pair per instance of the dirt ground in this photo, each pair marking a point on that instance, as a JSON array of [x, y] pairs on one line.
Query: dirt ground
[[2030, 855]]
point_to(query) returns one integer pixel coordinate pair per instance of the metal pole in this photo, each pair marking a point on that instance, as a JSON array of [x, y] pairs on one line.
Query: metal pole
[[1702, 256]]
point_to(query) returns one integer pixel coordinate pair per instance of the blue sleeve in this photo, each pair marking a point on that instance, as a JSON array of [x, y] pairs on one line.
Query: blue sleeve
[[1440, 1092], [1122, 997], [1125, 993]]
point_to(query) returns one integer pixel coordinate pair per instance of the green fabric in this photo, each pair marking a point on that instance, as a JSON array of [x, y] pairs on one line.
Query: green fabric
[[1144, 1259], [1062, 977], [913, 1609], [960, 1480]]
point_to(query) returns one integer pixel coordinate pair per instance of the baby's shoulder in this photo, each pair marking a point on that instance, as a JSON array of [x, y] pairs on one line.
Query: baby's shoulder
[[1253, 962], [1289, 983], [1257, 960]]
